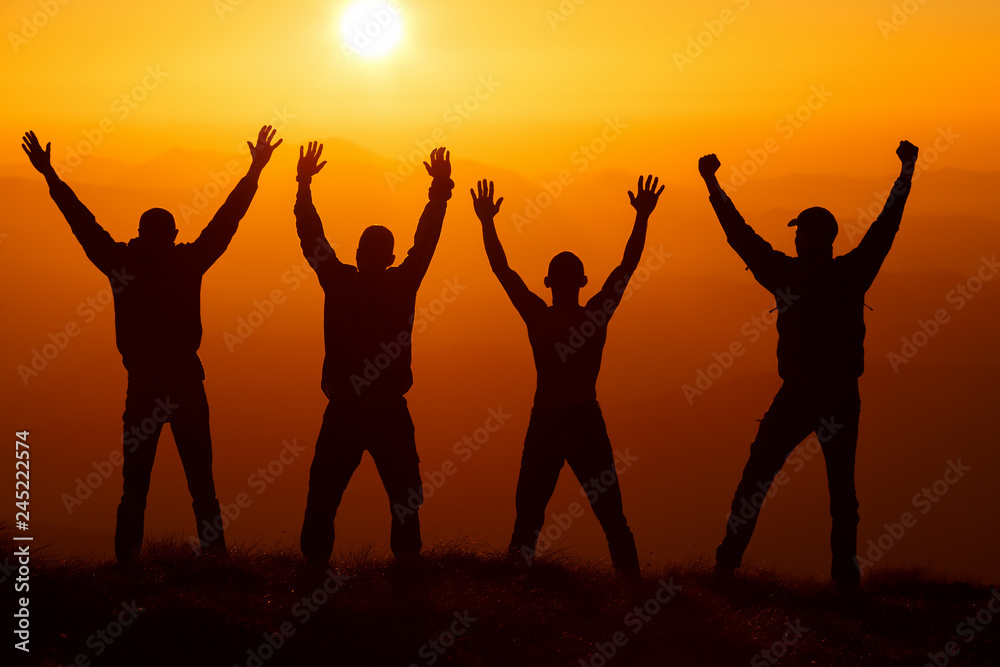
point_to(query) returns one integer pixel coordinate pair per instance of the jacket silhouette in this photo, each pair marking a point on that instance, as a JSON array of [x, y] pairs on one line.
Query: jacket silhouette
[[368, 325], [157, 301], [820, 303], [567, 343]]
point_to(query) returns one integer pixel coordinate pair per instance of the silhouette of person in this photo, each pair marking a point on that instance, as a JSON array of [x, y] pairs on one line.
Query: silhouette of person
[[367, 327], [567, 341], [821, 331], [157, 296]]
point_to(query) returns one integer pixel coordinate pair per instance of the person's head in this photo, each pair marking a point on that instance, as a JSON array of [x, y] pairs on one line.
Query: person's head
[[157, 225], [375, 249], [565, 274], [815, 230]]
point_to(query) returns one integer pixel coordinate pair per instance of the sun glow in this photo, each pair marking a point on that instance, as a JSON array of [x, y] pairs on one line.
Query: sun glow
[[372, 28]]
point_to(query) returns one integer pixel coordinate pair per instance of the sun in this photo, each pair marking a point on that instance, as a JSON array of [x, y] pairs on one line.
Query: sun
[[371, 28]]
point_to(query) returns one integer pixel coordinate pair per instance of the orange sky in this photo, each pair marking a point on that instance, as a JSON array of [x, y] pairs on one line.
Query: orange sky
[[161, 97], [556, 80]]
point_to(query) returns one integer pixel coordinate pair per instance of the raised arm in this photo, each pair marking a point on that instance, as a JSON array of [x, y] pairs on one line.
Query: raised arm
[[525, 301], [762, 260], [425, 239], [875, 245], [643, 202], [215, 238], [98, 245], [315, 247]]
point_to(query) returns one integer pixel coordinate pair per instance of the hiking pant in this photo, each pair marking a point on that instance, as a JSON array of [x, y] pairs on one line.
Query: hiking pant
[[831, 409], [384, 428], [148, 406], [576, 435]]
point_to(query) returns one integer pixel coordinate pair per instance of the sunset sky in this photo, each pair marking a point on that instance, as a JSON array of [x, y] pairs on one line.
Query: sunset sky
[[228, 65], [147, 103]]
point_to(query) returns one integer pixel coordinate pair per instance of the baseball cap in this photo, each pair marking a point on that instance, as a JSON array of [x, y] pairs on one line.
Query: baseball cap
[[817, 220]]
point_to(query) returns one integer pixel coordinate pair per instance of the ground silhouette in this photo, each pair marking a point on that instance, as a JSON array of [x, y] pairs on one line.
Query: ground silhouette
[[559, 612]]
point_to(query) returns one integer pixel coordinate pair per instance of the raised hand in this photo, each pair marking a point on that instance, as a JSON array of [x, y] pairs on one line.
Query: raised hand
[[440, 166], [483, 203], [907, 152], [645, 201], [309, 164], [261, 153], [41, 159], [708, 165]]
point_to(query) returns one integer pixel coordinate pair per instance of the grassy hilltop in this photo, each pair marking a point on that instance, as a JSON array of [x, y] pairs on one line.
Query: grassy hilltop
[[466, 606]]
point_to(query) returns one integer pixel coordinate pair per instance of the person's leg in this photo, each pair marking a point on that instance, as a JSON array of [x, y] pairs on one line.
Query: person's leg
[[394, 450], [140, 433], [786, 423], [337, 456], [592, 461], [189, 423], [839, 438], [541, 461]]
